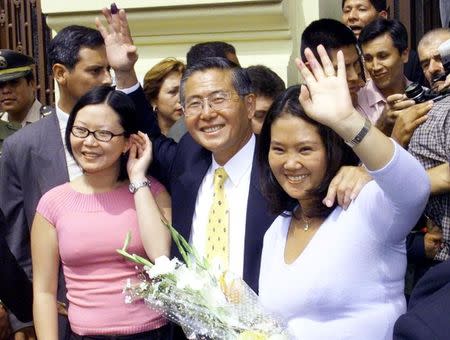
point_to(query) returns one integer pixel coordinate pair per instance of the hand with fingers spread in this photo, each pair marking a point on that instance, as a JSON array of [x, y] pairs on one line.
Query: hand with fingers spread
[[140, 157], [346, 185], [120, 51], [326, 97], [408, 121]]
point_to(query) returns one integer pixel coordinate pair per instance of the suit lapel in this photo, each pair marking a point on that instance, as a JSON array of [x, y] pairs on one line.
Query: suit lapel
[[258, 220], [49, 160]]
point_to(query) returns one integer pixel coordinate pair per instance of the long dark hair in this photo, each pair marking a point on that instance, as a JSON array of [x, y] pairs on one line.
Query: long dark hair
[[337, 154], [121, 104]]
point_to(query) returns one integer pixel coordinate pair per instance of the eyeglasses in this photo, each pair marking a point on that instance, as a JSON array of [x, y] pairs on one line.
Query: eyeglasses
[[217, 101], [100, 135]]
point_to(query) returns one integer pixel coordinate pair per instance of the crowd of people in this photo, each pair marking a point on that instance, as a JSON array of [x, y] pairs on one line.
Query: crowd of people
[[318, 195]]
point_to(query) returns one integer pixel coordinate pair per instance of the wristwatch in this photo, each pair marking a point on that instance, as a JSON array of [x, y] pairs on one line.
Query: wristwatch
[[133, 187], [361, 134]]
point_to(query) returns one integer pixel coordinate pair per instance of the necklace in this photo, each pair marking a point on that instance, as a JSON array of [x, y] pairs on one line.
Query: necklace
[[306, 222]]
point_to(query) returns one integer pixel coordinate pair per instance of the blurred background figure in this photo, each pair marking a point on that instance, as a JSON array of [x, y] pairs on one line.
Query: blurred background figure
[[211, 49], [162, 87], [18, 105], [267, 85], [357, 14]]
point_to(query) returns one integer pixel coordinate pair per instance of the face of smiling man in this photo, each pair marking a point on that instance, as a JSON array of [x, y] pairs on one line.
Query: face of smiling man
[[222, 131]]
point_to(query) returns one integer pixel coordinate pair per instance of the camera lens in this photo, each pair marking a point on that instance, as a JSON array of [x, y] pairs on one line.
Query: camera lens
[[415, 92]]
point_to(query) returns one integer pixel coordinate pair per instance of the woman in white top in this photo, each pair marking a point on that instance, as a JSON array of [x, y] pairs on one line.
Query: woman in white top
[[334, 273]]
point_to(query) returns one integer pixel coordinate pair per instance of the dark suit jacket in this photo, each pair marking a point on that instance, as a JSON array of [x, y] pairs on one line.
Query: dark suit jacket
[[428, 316], [181, 167], [33, 162], [16, 291]]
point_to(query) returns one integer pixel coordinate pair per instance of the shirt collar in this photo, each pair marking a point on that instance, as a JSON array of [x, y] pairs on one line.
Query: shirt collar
[[240, 163], [34, 114], [63, 117], [374, 95]]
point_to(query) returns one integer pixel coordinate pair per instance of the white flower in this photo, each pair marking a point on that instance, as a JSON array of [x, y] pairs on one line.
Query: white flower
[[188, 278], [162, 266]]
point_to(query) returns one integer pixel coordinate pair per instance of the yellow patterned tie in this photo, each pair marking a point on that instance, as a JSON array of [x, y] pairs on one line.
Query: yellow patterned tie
[[217, 229]]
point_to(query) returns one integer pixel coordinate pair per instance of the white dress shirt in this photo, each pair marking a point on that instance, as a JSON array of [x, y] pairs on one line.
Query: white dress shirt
[[72, 166], [239, 169]]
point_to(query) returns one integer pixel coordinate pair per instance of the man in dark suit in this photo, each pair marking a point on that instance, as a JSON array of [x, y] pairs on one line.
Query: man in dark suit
[[34, 160], [428, 312], [16, 292], [218, 105]]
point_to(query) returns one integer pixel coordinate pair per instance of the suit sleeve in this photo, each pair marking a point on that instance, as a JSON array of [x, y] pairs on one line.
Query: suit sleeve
[[411, 327], [164, 149], [146, 117], [15, 288]]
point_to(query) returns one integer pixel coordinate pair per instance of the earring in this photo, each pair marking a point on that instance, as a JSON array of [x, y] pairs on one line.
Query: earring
[[155, 109]]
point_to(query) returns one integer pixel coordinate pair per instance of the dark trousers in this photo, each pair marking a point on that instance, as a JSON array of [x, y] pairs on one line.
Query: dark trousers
[[162, 333]]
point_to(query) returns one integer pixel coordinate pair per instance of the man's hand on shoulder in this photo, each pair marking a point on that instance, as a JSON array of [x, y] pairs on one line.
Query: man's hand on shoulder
[[346, 185]]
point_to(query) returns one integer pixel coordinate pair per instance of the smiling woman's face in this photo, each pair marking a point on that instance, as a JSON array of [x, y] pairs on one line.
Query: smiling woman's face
[[297, 156], [92, 155]]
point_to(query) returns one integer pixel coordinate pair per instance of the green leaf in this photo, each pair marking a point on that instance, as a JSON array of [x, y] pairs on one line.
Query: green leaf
[[127, 241]]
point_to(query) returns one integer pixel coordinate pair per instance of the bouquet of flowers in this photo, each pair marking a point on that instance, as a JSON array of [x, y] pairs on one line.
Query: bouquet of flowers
[[207, 303]]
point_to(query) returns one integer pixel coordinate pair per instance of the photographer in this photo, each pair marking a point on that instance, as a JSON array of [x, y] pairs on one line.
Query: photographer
[[410, 116], [424, 127]]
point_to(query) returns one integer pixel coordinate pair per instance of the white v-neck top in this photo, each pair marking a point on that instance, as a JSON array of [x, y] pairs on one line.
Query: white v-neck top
[[348, 282]]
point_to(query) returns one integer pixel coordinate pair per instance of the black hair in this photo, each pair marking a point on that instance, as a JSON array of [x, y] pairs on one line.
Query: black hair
[[379, 5], [395, 29], [64, 48], [265, 82], [330, 33], [240, 78], [337, 154], [120, 103], [209, 49]]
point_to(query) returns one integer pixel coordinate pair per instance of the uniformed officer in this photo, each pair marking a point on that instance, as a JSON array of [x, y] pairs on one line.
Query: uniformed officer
[[17, 93]]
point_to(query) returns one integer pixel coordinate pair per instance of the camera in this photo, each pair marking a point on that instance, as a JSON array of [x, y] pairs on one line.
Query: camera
[[420, 94]]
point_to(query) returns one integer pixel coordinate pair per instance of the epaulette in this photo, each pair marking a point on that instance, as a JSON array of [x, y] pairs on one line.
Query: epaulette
[[46, 110]]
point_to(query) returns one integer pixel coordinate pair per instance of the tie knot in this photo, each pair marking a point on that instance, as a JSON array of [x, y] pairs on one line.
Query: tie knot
[[220, 176]]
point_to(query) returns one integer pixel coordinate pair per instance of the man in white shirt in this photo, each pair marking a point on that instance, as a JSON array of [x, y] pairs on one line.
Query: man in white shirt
[[218, 104]]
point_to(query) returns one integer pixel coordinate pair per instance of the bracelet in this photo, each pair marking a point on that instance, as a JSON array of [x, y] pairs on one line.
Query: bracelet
[[360, 135]]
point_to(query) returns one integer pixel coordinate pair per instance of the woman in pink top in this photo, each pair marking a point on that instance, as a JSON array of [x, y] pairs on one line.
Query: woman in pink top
[[83, 222]]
